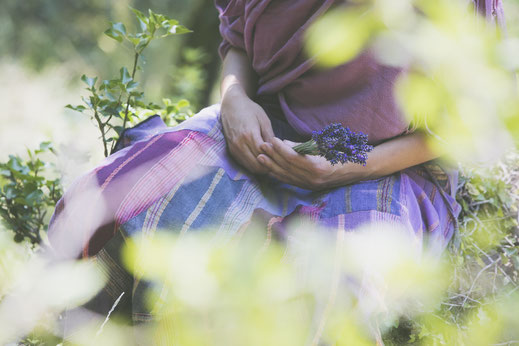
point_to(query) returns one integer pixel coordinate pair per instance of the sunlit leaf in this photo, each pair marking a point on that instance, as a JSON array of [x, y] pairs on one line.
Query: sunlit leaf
[[340, 36], [89, 81]]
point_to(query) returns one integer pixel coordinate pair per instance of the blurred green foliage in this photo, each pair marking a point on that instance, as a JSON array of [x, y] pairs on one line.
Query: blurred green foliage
[[41, 34], [29, 190]]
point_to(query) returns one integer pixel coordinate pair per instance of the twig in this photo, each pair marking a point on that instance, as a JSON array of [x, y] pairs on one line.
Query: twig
[[102, 129], [490, 259], [507, 343], [109, 313], [477, 277], [135, 62]]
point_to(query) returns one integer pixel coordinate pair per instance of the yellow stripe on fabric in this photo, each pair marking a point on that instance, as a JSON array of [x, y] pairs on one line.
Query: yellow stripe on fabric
[[335, 282], [389, 196], [347, 199], [163, 204], [433, 194], [249, 196], [203, 201], [117, 278], [268, 240], [150, 225], [285, 203], [380, 188]]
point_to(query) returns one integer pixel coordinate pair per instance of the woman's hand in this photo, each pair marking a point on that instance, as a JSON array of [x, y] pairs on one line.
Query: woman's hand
[[306, 171], [246, 127], [315, 173]]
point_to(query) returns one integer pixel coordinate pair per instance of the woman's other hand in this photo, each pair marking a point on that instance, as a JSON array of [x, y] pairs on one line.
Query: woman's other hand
[[245, 124], [307, 171], [246, 127]]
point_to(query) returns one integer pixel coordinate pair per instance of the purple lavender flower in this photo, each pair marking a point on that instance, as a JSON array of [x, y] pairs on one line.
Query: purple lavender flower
[[337, 144]]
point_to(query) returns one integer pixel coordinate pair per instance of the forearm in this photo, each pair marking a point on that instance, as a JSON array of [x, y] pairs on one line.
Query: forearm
[[387, 158], [397, 154], [237, 74]]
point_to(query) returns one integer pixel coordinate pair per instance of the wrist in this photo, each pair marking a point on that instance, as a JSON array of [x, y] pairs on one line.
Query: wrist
[[371, 169], [233, 90], [351, 173]]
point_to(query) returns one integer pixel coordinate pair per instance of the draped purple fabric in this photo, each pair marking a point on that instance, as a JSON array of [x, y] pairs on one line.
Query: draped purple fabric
[[358, 94], [492, 10]]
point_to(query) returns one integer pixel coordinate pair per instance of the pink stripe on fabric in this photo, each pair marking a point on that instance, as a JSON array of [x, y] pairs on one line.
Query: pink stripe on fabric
[[169, 170], [144, 184], [335, 282], [271, 223], [340, 222], [127, 161], [312, 211], [205, 159]]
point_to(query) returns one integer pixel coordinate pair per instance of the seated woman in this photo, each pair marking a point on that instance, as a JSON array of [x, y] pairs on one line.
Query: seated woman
[[233, 163]]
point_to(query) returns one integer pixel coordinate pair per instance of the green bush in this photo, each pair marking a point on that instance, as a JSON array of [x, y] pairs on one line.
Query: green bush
[[29, 189]]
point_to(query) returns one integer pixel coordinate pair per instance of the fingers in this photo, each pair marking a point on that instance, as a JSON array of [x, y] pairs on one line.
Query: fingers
[[284, 155], [254, 143], [279, 172], [266, 129], [247, 159], [290, 143], [269, 150]]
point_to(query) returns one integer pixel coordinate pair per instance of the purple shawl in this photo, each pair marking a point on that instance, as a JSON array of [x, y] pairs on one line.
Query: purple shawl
[[358, 94]]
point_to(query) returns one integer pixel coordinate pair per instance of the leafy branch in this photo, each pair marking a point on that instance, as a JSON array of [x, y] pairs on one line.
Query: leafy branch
[[104, 103]]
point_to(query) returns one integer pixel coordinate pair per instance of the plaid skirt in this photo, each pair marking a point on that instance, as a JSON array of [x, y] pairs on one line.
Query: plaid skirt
[[182, 179]]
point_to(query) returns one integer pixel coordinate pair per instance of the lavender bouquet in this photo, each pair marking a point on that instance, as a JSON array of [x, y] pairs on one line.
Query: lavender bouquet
[[337, 144]]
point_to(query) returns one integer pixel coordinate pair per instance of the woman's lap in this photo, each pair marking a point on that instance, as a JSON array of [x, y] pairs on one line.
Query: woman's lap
[[183, 179]]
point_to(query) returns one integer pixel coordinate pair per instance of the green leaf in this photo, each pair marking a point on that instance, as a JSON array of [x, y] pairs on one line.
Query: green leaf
[[46, 146], [143, 20], [125, 75], [87, 101], [143, 43], [103, 102], [117, 31], [137, 94], [183, 103], [118, 129], [15, 164], [18, 238], [114, 34], [9, 192], [89, 81], [78, 108], [471, 189], [131, 86], [178, 30], [153, 17], [119, 27], [34, 197], [133, 39]]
